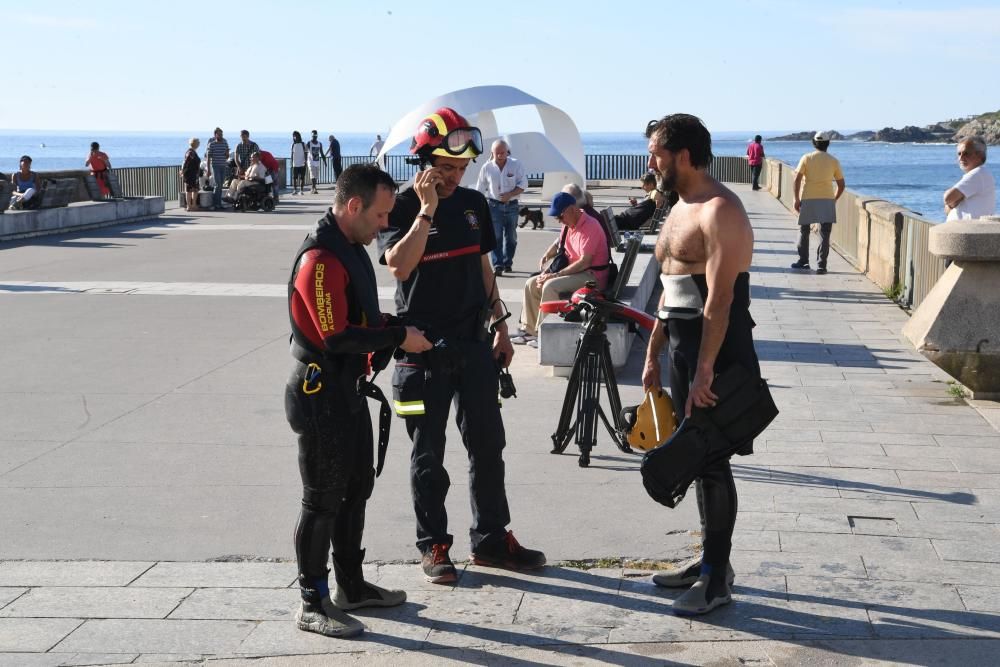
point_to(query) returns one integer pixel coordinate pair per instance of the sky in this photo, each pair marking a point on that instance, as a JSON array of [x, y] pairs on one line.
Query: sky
[[358, 66]]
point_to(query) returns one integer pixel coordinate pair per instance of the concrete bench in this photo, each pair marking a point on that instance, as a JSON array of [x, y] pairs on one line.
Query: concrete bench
[[557, 339], [78, 215], [57, 192], [6, 189]]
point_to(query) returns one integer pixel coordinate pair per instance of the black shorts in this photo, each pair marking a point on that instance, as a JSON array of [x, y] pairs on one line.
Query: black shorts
[[298, 172]]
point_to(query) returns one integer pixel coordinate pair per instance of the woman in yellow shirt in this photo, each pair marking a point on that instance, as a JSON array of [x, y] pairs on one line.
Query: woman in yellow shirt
[[815, 200]]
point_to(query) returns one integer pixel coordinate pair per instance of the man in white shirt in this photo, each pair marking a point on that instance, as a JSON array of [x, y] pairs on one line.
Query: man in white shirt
[[502, 179], [315, 153], [974, 196]]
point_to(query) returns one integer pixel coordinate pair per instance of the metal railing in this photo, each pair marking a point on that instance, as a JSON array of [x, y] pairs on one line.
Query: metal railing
[[151, 182], [732, 169], [920, 268]]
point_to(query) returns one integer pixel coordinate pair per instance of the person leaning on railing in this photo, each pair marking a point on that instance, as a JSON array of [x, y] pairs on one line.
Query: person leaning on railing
[[974, 196]]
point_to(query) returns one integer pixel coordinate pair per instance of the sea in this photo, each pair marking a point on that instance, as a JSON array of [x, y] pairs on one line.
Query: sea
[[912, 175]]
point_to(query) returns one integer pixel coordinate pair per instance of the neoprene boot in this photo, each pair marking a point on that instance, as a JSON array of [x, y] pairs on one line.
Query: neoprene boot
[[704, 596], [353, 592], [686, 574], [318, 614]]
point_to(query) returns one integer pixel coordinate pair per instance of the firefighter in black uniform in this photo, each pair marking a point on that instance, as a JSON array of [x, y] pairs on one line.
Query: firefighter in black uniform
[[437, 246], [336, 323]]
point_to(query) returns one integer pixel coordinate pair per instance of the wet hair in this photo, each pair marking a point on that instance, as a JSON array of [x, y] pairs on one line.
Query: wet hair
[[296, 137], [679, 131], [977, 144], [94, 146], [821, 145], [362, 180], [648, 179]]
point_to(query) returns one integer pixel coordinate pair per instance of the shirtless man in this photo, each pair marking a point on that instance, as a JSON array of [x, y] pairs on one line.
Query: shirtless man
[[704, 249]]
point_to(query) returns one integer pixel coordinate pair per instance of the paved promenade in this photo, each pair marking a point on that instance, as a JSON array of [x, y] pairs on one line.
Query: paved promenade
[[148, 481]]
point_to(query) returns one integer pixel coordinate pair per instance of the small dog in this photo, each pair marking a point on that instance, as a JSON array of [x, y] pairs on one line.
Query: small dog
[[534, 216]]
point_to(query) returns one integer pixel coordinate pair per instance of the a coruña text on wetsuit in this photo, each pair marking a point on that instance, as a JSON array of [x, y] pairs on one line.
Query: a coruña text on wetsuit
[[323, 312]]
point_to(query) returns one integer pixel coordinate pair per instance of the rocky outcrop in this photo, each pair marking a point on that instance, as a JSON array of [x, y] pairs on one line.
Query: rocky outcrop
[[806, 136], [863, 135], [986, 127], [911, 134]]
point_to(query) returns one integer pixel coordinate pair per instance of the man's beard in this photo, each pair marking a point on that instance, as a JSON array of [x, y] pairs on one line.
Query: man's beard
[[666, 182]]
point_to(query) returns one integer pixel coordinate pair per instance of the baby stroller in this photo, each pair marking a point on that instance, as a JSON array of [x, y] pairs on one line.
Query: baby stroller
[[251, 196]]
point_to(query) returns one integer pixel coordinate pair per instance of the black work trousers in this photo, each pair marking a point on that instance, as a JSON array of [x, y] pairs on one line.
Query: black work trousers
[[822, 250], [715, 487], [336, 465], [469, 380]]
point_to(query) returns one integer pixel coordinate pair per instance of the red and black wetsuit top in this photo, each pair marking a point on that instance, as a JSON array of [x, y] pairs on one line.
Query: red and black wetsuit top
[[445, 292], [333, 302]]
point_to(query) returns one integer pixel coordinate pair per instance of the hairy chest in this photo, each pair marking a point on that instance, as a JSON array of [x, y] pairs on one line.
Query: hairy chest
[[681, 240]]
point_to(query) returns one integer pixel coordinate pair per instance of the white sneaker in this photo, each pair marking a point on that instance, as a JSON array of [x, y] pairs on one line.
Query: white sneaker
[[522, 339], [533, 343]]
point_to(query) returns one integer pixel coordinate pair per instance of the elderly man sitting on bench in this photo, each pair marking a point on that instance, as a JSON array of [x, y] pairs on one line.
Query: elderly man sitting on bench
[[585, 248]]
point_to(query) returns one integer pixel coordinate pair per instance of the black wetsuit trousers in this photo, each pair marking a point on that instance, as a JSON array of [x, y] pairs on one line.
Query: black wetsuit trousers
[[472, 388], [336, 466], [715, 488]]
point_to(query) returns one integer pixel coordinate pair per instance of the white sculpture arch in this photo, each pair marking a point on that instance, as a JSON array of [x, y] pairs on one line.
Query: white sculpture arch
[[558, 152]]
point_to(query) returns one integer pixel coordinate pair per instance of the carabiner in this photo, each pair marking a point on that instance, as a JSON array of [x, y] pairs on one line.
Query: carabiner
[[313, 371]]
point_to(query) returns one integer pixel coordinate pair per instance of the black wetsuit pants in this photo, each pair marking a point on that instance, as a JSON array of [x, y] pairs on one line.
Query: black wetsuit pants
[[715, 488], [335, 462], [472, 386]]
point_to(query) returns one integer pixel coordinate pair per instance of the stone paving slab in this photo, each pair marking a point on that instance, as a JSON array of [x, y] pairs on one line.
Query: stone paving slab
[[35, 635], [219, 575], [156, 636], [87, 602], [70, 573], [238, 604]]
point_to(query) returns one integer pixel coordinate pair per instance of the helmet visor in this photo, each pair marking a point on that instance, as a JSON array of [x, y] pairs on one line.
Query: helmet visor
[[461, 139]]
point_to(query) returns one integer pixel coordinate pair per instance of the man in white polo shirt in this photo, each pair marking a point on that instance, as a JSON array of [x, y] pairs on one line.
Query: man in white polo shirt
[[502, 179], [974, 196]]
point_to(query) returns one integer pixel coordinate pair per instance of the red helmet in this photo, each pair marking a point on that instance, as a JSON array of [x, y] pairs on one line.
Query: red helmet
[[446, 133]]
